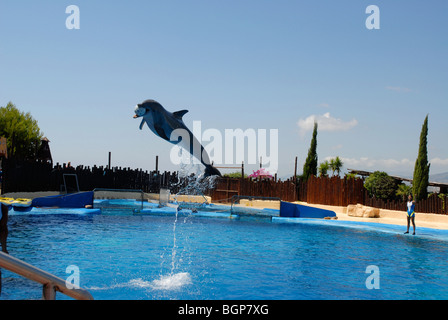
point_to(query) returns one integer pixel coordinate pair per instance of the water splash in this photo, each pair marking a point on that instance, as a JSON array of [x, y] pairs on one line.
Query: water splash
[[191, 181], [172, 281], [174, 250], [168, 282]]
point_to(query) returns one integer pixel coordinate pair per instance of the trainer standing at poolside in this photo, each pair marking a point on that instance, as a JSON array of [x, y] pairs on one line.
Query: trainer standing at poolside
[[410, 213]]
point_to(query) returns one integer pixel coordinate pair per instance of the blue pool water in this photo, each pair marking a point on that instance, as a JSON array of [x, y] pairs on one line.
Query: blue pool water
[[121, 255]]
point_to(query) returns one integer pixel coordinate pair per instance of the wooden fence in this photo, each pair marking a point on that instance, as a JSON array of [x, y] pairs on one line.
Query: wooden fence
[[433, 204], [35, 176], [335, 191], [344, 191], [228, 187], [332, 191]]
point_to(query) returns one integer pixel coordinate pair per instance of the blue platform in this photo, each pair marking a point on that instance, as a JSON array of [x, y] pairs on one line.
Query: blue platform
[[294, 210], [55, 211], [72, 200]]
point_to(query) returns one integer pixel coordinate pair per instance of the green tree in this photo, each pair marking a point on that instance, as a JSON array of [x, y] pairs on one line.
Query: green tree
[[323, 169], [421, 170], [21, 130], [336, 165], [236, 174], [403, 191], [443, 197], [350, 175], [310, 165], [380, 185]]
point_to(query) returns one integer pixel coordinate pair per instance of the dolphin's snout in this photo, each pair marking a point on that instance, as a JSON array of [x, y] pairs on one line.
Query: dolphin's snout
[[139, 111]]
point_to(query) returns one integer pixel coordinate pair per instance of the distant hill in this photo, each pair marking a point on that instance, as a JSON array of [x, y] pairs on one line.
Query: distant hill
[[440, 177]]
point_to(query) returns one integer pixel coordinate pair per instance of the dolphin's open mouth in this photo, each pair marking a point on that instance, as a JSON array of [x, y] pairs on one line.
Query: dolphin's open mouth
[[139, 111]]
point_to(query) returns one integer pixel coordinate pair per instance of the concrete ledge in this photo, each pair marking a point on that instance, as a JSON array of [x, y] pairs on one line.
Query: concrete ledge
[[267, 204], [428, 220], [180, 198], [30, 195], [187, 198]]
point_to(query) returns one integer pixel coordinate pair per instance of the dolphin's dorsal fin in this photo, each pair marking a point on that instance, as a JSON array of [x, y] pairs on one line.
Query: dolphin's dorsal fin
[[142, 123], [179, 114]]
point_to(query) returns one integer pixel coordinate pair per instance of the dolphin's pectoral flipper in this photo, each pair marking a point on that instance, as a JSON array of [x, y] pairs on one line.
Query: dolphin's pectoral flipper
[[179, 114], [161, 132], [142, 123]]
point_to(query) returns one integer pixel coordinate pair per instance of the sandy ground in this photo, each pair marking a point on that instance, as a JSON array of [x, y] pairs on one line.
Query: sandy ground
[[427, 220]]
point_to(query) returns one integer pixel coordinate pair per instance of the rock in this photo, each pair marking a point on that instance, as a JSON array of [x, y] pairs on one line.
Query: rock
[[359, 210], [355, 210], [351, 210], [370, 212]]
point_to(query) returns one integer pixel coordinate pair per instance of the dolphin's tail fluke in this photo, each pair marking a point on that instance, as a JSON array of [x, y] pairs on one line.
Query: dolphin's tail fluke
[[211, 171]]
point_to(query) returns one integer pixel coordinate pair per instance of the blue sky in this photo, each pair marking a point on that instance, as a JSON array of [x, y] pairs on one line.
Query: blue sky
[[233, 64]]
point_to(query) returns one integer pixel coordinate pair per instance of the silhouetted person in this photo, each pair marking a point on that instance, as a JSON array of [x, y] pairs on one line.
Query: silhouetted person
[[4, 227], [3, 234]]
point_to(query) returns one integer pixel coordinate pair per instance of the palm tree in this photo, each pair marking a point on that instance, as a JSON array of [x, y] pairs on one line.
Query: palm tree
[[403, 191], [331, 165], [336, 165], [323, 169]]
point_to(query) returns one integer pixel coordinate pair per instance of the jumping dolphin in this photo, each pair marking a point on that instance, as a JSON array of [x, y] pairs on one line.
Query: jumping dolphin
[[163, 123]]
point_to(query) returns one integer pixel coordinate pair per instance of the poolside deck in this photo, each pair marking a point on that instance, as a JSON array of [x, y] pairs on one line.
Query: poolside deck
[[427, 220]]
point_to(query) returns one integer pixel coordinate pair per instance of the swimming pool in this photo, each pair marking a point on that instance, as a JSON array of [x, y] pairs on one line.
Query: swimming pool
[[121, 255]]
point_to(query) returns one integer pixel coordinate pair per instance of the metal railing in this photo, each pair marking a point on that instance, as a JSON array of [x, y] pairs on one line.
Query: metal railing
[[50, 283]]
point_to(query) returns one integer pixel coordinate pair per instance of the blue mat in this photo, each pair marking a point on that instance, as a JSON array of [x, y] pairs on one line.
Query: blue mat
[[72, 200], [294, 210]]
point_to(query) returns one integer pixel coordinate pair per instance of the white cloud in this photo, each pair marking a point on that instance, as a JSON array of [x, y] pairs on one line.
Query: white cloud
[[391, 165], [325, 123], [378, 164], [439, 162]]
